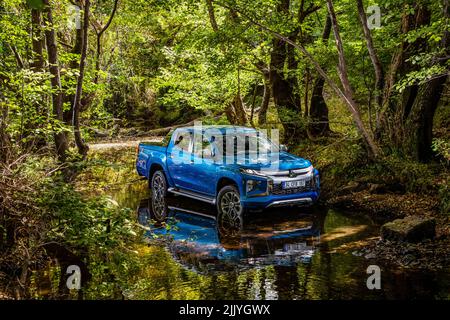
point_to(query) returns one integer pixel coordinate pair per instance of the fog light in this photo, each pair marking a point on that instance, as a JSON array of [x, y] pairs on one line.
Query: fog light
[[253, 185]]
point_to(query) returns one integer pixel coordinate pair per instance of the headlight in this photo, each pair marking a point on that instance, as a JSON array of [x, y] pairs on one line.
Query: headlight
[[251, 172], [248, 171]]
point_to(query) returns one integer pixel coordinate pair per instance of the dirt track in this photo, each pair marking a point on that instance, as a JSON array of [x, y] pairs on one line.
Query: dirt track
[[122, 144]]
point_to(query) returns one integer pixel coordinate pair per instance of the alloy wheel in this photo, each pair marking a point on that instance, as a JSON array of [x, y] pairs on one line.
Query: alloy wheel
[[230, 219], [158, 196]]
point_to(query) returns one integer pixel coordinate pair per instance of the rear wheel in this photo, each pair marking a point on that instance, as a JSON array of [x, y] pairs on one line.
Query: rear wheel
[[229, 210], [159, 191]]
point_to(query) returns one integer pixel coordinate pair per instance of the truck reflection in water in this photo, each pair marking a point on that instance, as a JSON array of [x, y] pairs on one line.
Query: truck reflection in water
[[204, 243]]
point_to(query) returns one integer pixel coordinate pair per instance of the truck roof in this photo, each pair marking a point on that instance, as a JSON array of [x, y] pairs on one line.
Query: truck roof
[[221, 128]]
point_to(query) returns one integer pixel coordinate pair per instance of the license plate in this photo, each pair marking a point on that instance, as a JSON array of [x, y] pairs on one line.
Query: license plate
[[293, 184]]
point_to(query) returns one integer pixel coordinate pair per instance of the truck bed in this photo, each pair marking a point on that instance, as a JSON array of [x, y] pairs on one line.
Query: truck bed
[[148, 153]]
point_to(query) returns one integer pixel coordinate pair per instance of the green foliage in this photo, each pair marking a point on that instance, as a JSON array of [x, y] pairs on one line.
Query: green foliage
[[421, 76], [96, 223], [36, 4], [442, 148]]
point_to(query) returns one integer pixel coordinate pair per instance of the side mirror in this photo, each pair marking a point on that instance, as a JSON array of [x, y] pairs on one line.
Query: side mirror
[[283, 147]]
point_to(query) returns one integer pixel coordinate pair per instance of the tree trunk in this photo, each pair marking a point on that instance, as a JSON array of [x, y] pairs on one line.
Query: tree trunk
[[239, 111], [285, 86], [74, 64], [57, 95], [306, 96], [395, 108], [16, 53], [37, 65], [284, 98], [318, 110], [252, 110], [291, 75], [212, 16], [423, 18], [82, 147], [229, 112], [37, 42], [419, 122], [262, 116]]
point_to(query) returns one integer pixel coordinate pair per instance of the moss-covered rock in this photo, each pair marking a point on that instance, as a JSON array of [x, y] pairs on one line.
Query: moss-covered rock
[[410, 229]]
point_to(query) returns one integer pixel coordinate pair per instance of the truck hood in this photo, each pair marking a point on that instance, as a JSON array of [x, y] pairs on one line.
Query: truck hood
[[275, 161]]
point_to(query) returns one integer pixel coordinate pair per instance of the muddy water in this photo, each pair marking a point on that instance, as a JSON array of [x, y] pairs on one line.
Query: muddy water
[[285, 253]]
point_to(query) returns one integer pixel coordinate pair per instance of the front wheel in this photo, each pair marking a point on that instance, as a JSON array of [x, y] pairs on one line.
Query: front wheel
[[229, 210]]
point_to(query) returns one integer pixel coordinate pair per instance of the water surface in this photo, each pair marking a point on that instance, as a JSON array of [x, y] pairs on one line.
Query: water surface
[[282, 253]]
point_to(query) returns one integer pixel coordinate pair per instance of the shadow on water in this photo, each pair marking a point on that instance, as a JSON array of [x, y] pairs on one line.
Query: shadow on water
[[284, 253]]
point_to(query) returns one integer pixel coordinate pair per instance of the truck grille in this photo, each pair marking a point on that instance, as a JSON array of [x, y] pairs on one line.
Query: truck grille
[[278, 189]]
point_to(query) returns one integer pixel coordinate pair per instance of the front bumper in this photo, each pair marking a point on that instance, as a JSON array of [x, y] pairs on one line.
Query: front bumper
[[271, 201], [270, 192], [276, 196]]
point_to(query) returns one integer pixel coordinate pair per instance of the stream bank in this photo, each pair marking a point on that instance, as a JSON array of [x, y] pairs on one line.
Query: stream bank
[[383, 206]]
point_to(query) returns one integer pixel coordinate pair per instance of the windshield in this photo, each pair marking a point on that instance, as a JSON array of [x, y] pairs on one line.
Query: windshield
[[230, 144]]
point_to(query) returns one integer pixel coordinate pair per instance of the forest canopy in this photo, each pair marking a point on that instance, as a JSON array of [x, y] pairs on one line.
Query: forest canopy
[[74, 68]]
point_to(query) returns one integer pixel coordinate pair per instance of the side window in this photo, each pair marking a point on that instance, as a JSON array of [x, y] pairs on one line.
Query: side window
[[167, 138], [202, 147], [183, 141]]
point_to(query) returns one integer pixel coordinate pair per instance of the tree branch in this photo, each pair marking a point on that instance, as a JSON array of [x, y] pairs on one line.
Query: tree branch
[[212, 16]]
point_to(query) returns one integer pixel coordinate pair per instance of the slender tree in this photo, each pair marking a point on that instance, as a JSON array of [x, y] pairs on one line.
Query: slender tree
[[348, 91], [82, 147], [318, 110], [57, 95], [377, 66], [37, 41], [212, 16], [262, 115]]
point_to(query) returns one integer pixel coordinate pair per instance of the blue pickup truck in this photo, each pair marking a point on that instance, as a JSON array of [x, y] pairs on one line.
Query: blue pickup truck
[[232, 167]]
